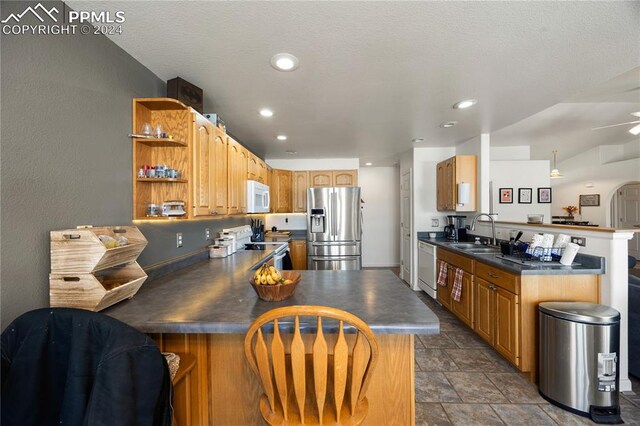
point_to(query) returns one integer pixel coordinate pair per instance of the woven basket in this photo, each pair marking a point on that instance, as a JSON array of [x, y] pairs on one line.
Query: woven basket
[[277, 292], [173, 360]]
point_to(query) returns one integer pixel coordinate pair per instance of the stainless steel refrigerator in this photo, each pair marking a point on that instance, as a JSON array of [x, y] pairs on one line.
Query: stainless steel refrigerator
[[334, 228]]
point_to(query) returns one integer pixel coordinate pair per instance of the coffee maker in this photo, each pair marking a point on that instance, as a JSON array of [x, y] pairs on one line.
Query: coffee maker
[[456, 229]]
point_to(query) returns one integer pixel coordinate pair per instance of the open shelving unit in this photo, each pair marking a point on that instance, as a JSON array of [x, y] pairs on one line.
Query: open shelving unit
[[176, 119]]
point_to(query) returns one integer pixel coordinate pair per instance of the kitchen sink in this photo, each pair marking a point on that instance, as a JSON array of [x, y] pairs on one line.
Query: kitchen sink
[[464, 246], [475, 248]]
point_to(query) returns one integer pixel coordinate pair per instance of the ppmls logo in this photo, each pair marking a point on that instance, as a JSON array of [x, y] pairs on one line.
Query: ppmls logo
[[15, 18]]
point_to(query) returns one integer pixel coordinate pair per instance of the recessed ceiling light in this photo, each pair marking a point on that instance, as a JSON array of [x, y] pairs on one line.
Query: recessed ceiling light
[[284, 62], [368, 164], [291, 152], [448, 124], [281, 137], [467, 103], [266, 112], [416, 140]]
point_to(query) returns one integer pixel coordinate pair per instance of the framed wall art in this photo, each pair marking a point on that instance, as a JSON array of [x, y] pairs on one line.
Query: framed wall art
[[506, 195], [544, 195], [525, 195], [590, 200]]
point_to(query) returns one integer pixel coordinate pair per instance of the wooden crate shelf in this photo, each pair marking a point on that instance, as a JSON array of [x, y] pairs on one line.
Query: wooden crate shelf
[[86, 274], [95, 292], [80, 251]]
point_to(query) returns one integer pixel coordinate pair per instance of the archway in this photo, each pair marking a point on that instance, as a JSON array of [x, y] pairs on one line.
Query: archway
[[624, 210]]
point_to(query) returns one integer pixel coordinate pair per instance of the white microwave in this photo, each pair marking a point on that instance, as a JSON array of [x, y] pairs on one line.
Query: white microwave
[[257, 197]]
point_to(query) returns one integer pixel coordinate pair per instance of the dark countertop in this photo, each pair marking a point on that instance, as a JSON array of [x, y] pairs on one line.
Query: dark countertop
[[214, 296], [589, 265]]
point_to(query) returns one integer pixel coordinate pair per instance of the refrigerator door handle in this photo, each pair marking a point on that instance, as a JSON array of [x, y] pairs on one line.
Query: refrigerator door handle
[[334, 214], [333, 244], [338, 206], [314, 258]]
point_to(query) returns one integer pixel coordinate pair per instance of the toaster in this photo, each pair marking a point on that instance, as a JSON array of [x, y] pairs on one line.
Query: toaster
[[173, 208]]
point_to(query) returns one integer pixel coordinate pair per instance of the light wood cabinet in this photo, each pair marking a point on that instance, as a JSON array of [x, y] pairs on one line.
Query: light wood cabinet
[[280, 191], [298, 251], [262, 171], [319, 178], [463, 308], [220, 172], [203, 162], [484, 311], [242, 179], [345, 177], [252, 167], [449, 174], [300, 186], [233, 173]]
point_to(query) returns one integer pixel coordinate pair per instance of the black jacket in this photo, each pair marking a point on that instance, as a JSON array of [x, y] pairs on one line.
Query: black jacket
[[75, 367]]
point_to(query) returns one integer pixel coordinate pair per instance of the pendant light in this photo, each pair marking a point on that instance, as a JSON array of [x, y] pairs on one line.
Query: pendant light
[[555, 173]]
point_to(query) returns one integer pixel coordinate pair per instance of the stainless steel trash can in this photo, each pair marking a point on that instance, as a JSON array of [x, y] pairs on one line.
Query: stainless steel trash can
[[578, 352]]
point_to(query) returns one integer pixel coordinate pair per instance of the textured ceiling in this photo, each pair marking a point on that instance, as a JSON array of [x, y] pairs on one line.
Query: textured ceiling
[[374, 75]]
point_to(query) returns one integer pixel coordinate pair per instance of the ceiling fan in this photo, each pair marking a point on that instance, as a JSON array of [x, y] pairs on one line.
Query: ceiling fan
[[634, 130]]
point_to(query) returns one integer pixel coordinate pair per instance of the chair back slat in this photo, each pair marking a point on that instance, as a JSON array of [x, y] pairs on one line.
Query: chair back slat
[[340, 368], [262, 358], [320, 360], [279, 367], [359, 361], [340, 378], [298, 367]]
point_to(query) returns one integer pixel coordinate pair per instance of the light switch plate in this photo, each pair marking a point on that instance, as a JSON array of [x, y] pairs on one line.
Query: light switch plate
[[435, 222]]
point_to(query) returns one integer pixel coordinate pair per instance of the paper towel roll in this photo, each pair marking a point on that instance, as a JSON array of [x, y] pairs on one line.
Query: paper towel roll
[[569, 254]]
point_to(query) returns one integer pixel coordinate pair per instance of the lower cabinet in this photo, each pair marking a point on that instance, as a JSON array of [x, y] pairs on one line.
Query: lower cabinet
[[298, 252], [464, 307], [496, 319]]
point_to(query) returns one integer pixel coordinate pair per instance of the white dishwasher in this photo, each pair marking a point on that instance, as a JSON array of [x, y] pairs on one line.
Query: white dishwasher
[[427, 268]]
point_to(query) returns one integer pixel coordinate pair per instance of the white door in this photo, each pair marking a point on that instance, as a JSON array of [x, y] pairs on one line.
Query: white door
[[629, 214], [405, 226]]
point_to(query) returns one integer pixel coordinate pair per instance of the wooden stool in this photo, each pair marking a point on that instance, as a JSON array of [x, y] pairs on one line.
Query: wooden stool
[[327, 385]]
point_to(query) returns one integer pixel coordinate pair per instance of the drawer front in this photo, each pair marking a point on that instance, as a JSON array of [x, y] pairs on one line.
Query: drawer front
[[498, 277], [456, 260]]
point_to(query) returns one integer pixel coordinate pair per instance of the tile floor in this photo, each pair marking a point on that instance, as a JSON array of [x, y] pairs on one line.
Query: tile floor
[[460, 380]]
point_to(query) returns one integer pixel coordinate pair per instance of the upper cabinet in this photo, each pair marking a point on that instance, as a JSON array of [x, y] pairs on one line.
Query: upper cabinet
[[203, 164], [280, 191], [237, 177], [345, 177], [300, 186], [220, 172], [449, 175], [319, 178]]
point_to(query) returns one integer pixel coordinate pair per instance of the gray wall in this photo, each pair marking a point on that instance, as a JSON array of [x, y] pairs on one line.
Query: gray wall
[[65, 155]]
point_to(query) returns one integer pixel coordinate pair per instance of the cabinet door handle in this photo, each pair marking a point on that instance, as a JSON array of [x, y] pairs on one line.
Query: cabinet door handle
[[492, 275]]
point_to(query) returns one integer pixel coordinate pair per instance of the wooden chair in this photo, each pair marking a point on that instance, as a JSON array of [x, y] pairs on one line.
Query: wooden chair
[[327, 385]]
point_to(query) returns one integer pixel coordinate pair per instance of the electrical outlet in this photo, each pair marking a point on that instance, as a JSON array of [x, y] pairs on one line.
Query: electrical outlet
[[581, 241], [435, 222], [178, 239], [207, 234]]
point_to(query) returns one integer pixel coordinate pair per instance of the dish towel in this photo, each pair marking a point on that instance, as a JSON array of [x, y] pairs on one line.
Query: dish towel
[[442, 274], [456, 293]]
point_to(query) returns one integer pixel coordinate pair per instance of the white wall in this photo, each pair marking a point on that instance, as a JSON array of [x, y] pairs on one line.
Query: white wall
[[500, 153], [381, 216], [599, 168], [520, 174], [424, 187], [315, 163]]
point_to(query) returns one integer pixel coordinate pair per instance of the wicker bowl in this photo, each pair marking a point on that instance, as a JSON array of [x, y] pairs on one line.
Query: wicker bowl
[[277, 292]]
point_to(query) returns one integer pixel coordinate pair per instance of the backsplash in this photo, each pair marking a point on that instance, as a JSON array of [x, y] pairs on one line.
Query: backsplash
[[286, 221]]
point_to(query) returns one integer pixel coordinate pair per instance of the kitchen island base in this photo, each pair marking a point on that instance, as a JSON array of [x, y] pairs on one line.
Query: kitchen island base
[[222, 389]]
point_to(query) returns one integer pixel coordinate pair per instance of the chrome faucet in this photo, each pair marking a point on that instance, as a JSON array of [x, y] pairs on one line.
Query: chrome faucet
[[494, 242]]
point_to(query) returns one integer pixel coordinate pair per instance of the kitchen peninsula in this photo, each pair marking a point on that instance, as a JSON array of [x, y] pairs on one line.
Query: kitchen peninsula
[[205, 310]]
